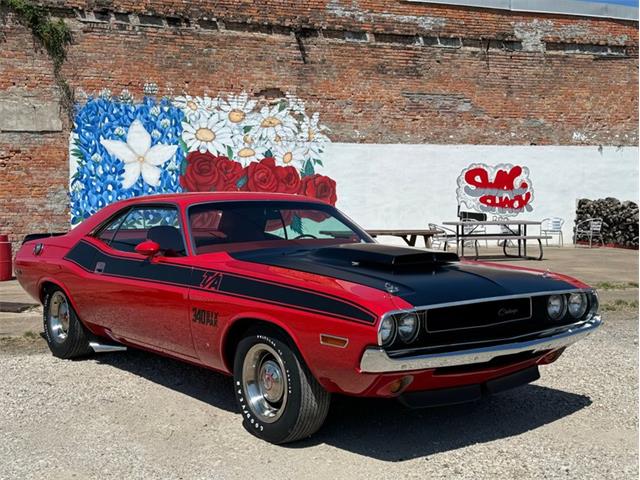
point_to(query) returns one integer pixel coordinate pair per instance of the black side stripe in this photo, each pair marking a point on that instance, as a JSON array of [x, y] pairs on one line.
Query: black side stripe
[[87, 255]]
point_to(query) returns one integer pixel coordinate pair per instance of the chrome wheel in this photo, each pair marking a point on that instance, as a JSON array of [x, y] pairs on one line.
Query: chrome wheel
[[58, 317], [265, 382]]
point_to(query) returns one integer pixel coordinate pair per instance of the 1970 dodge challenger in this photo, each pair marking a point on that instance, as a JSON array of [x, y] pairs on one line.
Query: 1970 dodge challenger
[[297, 302]]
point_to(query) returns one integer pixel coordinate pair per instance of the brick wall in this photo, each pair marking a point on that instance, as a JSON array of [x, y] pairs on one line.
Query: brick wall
[[377, 71]]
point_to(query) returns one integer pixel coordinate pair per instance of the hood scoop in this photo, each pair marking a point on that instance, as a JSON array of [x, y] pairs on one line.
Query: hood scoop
[[384, 256]]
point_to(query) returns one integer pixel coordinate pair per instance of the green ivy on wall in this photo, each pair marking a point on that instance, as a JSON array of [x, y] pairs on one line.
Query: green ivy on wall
[[53, 35]]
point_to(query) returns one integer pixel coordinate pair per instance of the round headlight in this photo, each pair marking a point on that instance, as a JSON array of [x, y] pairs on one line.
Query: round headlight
[[556, 306], [577, 304], [387, 330], [408, 327]]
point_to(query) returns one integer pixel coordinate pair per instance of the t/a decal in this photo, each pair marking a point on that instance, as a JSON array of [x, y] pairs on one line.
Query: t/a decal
[[211, 280], [205, 317]]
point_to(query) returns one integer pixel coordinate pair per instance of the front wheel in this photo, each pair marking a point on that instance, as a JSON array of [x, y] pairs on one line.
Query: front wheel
[[279, 398]]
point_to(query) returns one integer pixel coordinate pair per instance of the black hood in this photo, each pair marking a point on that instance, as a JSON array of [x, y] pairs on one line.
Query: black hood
[[421, 277]]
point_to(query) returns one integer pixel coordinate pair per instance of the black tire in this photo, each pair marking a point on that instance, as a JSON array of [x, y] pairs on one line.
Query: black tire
[[305, 404], [75, 341]]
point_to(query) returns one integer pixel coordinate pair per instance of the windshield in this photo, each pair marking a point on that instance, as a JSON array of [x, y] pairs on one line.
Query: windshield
[[233, 226]]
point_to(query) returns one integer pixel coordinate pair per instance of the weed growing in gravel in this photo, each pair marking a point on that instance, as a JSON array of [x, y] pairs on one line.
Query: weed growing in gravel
[[615, 285], [620, 305]]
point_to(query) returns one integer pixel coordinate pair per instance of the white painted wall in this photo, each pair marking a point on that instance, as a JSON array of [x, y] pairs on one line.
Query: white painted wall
[[408, 186]]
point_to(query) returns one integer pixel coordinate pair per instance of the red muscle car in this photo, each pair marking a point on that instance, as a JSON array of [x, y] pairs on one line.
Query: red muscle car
[[296, 302]]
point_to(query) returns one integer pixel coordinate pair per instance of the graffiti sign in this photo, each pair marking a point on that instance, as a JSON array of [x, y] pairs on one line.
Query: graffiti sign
[[504, 189], [120, 148]]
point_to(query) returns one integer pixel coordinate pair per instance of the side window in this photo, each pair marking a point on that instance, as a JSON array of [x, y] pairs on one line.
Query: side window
[[160, 224], [106, 233]]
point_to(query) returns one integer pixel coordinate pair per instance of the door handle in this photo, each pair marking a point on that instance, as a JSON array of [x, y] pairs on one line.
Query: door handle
[[99, 267]]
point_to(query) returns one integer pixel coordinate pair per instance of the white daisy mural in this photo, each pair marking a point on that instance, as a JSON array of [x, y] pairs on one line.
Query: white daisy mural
[[312, 135], [207, 133], [290, 152], [237, 110], [196, 107], [276, 123]]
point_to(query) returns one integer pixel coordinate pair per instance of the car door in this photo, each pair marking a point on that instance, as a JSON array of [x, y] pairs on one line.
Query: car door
[[141, 299]]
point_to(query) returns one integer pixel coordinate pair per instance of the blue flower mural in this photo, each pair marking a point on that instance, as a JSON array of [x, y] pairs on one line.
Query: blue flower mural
[[121, 149]]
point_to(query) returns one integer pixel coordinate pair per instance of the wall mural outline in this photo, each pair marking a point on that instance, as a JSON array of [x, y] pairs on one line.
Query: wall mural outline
[[504, 189], [120, 148]]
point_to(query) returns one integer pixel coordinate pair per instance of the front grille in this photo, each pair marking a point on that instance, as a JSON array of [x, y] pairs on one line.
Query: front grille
[[478, 315]]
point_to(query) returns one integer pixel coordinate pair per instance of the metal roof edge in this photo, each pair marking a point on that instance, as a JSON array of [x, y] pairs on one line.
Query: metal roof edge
[[558, 7]]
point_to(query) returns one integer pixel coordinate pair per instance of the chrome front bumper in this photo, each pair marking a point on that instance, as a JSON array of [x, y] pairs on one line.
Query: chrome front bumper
[[376, 360]]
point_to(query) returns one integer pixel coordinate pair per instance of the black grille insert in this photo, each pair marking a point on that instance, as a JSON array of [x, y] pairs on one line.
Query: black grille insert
[[478, 315]]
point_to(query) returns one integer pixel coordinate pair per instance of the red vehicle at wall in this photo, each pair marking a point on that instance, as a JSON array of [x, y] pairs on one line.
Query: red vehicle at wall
[[296, 302]]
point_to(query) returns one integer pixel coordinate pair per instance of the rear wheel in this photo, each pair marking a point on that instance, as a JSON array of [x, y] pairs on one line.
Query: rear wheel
[[279, 398], [66, 336]]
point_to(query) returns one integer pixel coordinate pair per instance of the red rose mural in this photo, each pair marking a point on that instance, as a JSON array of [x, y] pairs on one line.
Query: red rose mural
[[201, 173], [288, 179], [261, 176], [320, 187], [230, 173], [205, 172]]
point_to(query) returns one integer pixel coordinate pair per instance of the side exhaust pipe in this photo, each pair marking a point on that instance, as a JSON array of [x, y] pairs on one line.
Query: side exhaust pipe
[[104, 348]]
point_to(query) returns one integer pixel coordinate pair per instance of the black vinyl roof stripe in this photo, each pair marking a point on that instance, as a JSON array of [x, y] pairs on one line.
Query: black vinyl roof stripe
[[343, 300], [331, 306], [288, 305], [291, 287]]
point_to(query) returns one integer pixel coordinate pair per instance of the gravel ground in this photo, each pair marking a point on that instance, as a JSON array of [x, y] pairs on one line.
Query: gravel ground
[[136, 415]]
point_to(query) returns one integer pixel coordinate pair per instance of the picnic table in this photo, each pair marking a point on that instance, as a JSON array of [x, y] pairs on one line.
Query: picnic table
[[513, 230], [408, 235]]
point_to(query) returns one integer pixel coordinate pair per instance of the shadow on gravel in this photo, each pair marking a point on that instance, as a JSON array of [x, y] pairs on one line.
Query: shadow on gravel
[[385, 430], [197, 382], [377, 428]]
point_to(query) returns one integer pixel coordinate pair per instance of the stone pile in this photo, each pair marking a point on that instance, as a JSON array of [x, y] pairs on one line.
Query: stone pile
[[620, 220]]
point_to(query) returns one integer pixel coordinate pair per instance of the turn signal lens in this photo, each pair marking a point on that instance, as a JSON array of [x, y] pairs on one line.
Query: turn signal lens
[[408, 327], [577, 304], [387, 331], [556, 306], [594, 304]]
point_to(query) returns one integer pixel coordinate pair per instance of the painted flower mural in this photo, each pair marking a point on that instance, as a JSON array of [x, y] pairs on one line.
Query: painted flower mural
[[121, 149], [139, 157]]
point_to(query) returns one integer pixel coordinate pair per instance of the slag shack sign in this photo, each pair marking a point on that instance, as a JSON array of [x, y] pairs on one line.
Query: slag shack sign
[[504, 189]]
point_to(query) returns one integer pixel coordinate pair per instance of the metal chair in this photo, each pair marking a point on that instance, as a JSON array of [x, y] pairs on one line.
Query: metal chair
[[446, 235], [504, 230], [474, 228], [590, 228], [443, 236], [552, 226]]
